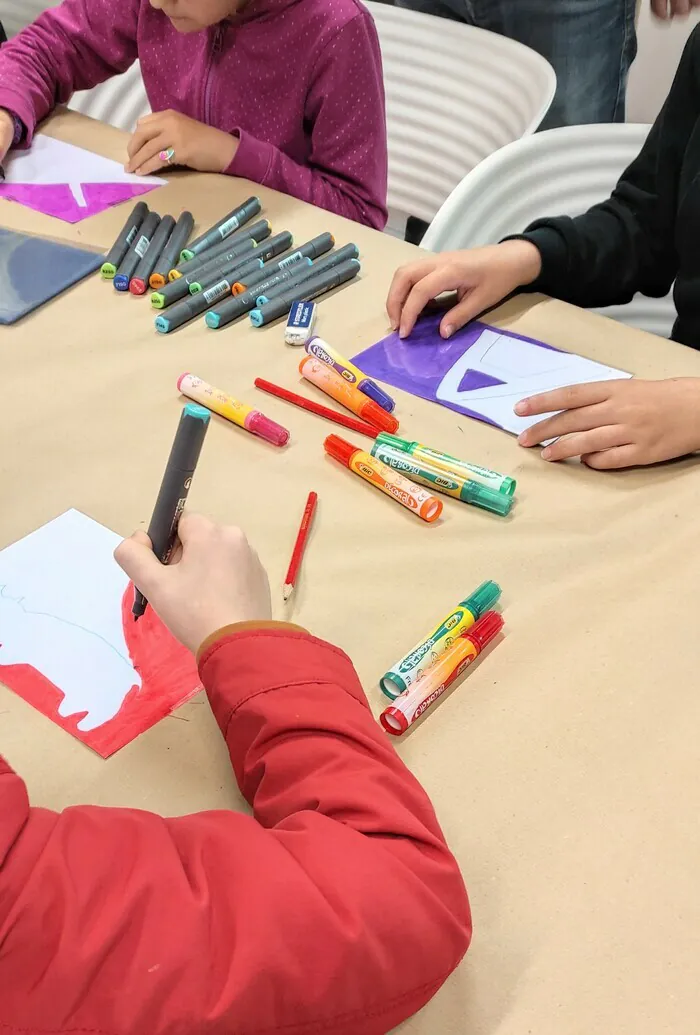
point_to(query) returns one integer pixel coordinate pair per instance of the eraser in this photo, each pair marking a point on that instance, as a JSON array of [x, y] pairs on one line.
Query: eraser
[[300, 325]]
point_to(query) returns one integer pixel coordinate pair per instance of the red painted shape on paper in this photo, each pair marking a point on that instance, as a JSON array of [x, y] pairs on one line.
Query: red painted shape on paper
[[168, 679]]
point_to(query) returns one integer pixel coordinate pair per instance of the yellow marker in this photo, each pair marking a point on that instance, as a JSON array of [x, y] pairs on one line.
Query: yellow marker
[[237, 412]]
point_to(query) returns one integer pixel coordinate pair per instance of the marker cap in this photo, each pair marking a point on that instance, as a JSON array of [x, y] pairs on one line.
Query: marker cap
[[482, 599], [137, 286], [374, 414], [267, 429], [485, 630], [488, 499], [377, 395], [339, 449]]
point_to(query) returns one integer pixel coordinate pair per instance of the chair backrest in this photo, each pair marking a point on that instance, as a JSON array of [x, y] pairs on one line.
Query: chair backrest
[[454, 95], [121, 101], [557, 172]]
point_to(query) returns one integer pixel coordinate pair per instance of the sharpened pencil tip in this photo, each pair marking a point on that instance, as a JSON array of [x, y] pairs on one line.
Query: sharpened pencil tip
[[287, 592]]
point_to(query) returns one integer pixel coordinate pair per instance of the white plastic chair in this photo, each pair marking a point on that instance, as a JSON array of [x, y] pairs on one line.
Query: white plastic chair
[[454, 95], [557, 172], [120, 101]]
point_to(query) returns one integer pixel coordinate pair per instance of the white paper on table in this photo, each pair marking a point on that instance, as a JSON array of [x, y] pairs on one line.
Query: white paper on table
[[61, 597], [50, 161], [525, 368]]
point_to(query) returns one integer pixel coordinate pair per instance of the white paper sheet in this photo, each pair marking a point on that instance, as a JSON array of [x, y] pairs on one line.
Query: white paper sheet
[[61, 612], [525, 368], [50, 161]]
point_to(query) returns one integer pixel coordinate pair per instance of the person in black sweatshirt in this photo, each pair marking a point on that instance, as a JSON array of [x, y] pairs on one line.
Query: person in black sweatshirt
[[645, 237]]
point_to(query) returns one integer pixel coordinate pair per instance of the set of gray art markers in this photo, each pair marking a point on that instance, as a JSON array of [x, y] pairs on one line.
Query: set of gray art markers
[[237, 267]]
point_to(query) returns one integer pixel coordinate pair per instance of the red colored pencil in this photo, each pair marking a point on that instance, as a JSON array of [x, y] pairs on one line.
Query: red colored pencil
[[300, 546], [313, 407]]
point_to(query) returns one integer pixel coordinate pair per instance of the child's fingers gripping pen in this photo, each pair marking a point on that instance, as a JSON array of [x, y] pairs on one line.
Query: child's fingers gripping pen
[[412, 703]]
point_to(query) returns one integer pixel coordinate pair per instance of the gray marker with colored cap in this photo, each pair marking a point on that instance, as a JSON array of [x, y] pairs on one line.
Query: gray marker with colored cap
[[224, 228], [305, 292], [348, 251], [174, 489], [194, 305]]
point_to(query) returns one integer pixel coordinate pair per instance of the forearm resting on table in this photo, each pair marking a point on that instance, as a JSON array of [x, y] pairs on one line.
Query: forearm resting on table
[[337, 908]]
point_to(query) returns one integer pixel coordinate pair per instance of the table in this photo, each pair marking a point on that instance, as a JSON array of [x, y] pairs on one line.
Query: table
[[565, 769]]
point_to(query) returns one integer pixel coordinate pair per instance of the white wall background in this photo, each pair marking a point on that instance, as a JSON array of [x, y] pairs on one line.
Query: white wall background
[[660, 47]]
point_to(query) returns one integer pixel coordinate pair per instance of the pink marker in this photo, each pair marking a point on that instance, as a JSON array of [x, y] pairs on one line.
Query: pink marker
[[237, 412]]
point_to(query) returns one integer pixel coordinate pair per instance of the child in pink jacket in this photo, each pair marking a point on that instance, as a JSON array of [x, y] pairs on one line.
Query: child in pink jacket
[[287, 93]]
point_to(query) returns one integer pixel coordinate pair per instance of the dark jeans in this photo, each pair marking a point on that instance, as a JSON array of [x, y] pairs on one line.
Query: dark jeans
[[589, 43]]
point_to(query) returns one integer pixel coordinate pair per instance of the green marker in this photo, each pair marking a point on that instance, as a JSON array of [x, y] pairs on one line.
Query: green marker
[[427, 652], [464, 489], [492, 479], [123, 243]]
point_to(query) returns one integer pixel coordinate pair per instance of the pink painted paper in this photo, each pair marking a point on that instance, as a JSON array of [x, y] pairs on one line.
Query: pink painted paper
[[57, 200]]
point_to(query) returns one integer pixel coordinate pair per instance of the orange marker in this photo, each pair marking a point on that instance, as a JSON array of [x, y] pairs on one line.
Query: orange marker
[[411, 496], [330, 382]]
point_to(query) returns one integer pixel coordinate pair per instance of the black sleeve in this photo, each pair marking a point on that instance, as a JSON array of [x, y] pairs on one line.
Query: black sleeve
[[3, 35], [627, 243]]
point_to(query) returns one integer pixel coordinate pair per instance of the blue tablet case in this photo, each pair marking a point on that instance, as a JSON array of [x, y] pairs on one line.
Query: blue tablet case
[[33, 270]]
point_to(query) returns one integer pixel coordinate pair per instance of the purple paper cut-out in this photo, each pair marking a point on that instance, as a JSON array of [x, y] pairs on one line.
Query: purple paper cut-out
[[56, 199], [419, 363]]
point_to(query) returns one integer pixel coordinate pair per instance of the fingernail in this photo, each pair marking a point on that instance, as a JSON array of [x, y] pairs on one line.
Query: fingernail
[[546, 454], [521, 408], [522, 439], [402, 332], [447, 331]]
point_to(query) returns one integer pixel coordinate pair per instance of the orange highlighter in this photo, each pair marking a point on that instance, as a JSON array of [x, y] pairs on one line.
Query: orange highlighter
[[411, 496], [330, 382], [411, 704]]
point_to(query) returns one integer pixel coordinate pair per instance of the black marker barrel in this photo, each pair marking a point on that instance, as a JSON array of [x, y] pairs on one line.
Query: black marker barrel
[[194, 305], [348, 251], [224, 228], [304, 292], [274, 246], [127, 268], [172, 495], [121, 246], [142, 274], [171, 253]]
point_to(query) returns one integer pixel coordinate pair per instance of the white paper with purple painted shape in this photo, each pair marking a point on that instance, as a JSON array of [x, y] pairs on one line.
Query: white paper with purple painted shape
[[68, 182], [481, 371]]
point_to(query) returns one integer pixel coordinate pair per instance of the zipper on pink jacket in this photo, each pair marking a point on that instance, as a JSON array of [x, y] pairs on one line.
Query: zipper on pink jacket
[[216, 48]]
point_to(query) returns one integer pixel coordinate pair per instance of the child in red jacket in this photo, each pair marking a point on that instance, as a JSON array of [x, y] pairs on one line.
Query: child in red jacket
[[337, 908], [287, 93]]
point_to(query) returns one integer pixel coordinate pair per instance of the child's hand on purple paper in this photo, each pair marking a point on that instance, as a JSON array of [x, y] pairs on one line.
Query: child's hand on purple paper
[[612, 424], [481, 278], [214, 579], [7, 133], [195, 145]]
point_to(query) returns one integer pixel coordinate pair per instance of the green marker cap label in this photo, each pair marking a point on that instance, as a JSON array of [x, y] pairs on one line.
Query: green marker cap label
[[483, 598]]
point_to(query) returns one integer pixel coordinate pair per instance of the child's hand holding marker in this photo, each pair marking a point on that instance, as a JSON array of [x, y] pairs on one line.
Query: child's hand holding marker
[[193, 144], [612, 424]]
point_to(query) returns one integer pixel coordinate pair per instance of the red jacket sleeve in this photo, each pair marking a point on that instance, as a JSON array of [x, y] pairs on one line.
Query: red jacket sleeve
[[346, 170], [66, 49], [336, 908]]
